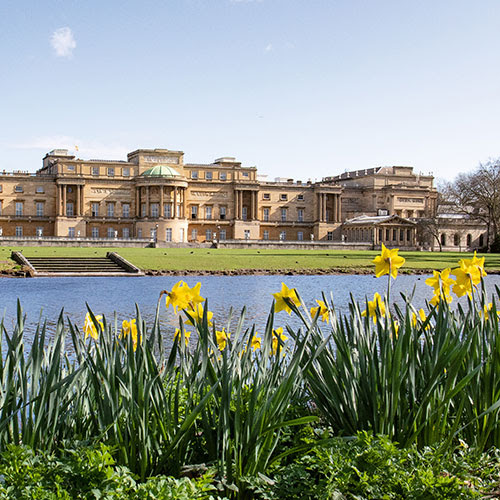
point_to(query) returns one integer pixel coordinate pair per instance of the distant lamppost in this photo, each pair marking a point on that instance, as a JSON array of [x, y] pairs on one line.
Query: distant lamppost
[[156, 233]]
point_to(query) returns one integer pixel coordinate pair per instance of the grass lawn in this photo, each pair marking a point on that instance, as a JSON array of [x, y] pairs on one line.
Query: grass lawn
[[210, 259]]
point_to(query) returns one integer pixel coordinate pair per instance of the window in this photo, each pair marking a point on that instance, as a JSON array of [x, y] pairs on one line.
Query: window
[[408, 234], [222, 176], [469, 240], [95, 232], [111, 209], [282, 235], [126, 210], [300, 214], [266, 196], [222, 212], [168, 234], [143, 210], [300, 236], [39, 189], [126, 172], [443, 239], [70, 209], [401, 234], [39, 208], [300, 197], [481, 240], [19, 230], [19, 208], [283, 197], [329, 235], [71, 232], [155, 210], [111, 232], [387, 234], [111, 171], [222, 234], [194, 234], [18, 189], [283, 214], [167, 210], [265, 213], [208, 176], [194, 211], [39, 231], [95, 170], [139, 233], [380, 234], [1, 188], [71, 168], [244, 213], [194, 174], [95, 209], [456, 239], [1, 206], [394, 234], [265, 235], [247, 234], [126, 232], [245, 174], [208, 212], [208, 234]]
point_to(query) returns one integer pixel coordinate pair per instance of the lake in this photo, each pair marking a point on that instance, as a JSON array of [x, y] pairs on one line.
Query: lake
[[45, 297]]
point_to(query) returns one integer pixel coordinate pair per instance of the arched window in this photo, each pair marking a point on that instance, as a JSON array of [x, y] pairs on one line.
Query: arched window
[[456, 239], [443, 239], [469, 240], [481, 240]]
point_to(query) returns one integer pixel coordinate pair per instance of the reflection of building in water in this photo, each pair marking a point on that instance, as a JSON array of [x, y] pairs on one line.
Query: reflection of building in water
[[154, 194]]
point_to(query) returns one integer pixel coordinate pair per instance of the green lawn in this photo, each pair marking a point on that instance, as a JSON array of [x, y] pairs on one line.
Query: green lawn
[[198, 259]]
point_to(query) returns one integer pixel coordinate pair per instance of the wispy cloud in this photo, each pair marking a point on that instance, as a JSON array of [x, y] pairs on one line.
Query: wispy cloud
[[76, 146], [63, 42]]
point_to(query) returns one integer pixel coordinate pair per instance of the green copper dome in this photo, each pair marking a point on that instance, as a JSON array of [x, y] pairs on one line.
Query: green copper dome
[[160, 171]]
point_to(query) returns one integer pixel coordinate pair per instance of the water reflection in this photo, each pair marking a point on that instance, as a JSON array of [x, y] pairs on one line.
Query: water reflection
[[45, 297]]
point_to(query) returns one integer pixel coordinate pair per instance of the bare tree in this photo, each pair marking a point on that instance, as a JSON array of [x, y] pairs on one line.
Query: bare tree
[[477, 194]]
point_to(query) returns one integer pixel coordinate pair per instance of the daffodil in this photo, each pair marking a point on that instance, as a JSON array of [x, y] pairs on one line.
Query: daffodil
[[177, 335], [376, 304], [196, 313], [285, 293], [486, 310], [388, 262], [438, 297], [221, 336], [182, 297], [255, 342], [466, 276], [90, 328], [278, 339], [324, 312], [475, 261], [130, 328], [421, 315], [441, 280]]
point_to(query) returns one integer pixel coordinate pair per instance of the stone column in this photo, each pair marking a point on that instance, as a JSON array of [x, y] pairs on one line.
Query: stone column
[[137, 201], [64, 198], [236, 204], [161, 202], [174, 204], [324, 207], [82, 199], [78, 199], [183, 195], [241, 204], [148, 212], [58, 200], [255, 205], [339, 208]]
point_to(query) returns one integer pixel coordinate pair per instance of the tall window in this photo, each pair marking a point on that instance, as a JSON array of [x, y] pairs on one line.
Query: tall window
[[194, 211], [19, 230], [95, 170], [95, 232], [144, 210], [222, 234], [95, 209], [222, 212], [70, 210], [208, 234], [126, 209], [167, 210], [111, 171], [126, 171], [126, 232], [19, 208], [283, 214], [39, 231], [168, 234], [71, 232], [111, 209], [222, 176], [194, 174], [39, 208], [111, 232], [155, 210], [265, 235], [244, 213], [300, 214], [300, 236], [194, 234], [282, 235], [266, 214], [208, 212], [1, 206], [208, 176]]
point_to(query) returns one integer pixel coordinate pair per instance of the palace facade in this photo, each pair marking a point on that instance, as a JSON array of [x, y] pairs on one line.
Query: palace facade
[[155, 194]]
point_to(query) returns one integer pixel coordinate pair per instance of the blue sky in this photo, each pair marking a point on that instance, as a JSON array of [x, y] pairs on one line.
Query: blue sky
[[300, 89]]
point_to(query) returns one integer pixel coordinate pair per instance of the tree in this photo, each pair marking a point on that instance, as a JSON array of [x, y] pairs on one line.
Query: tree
[[477, 194]]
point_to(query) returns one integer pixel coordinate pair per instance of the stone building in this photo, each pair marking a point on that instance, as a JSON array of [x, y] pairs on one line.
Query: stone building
[[154, 194]]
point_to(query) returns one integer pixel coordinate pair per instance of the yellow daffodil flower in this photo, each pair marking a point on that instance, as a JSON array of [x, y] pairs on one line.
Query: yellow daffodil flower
[[89, 327], [436, 299], [475, 261], [278, 339], [182, 297], [255, 342], [388, 262], [323, 311], [466, 276], [197, 314], [130, 327], [421, 315], [285, 293], [376, 303], [441, 280], [486, 310], [221, 336], [177, 336]]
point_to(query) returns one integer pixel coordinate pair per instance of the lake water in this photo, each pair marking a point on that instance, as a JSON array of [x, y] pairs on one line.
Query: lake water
[[45, 297]]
